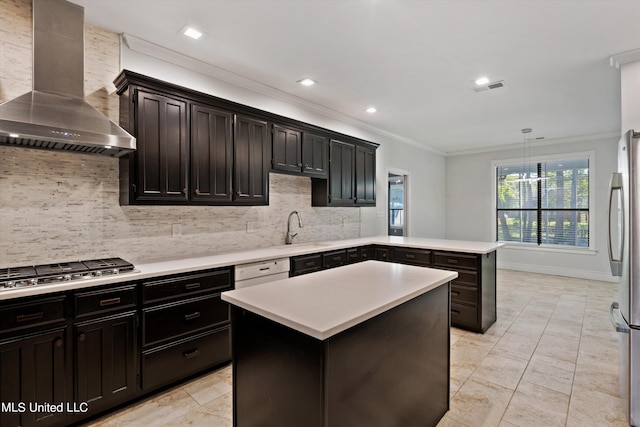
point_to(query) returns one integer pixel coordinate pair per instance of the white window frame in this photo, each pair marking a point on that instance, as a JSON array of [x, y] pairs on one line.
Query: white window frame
[[591, 156]]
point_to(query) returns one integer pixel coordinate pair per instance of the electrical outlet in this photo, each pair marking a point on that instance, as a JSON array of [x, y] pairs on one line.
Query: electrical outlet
[[176, 230]]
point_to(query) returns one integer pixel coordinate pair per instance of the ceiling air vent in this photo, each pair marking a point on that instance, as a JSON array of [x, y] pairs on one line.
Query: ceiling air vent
[[489, 86]]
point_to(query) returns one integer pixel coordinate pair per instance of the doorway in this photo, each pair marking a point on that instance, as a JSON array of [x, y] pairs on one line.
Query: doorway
[[397, 204]]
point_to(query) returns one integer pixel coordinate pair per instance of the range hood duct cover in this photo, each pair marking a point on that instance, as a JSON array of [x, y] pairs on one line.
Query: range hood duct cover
[[54, 115]]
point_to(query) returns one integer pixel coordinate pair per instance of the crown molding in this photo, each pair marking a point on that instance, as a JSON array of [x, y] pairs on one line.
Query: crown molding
[[156, 51], [551, 141]]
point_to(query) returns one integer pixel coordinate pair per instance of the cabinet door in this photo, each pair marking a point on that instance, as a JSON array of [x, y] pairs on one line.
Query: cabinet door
[[251, 149], [106, 361], [341, 185], [33, 371], [211, 154], [162, 155], [285, 149], [365, 176], [315, 155]]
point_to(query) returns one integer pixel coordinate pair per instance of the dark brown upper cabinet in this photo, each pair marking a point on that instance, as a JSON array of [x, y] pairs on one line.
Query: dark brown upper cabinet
[[365, 174], [197, 149], [211, 154], [286, 149], [162, 153], [299, 152], [352, 177], [251, 154]]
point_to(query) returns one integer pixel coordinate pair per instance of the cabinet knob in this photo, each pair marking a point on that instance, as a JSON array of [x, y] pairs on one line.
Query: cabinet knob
[[82, 337], [197, 192], [300, 165], [57, 342], [184, 190], [306, 166], [238, 193]]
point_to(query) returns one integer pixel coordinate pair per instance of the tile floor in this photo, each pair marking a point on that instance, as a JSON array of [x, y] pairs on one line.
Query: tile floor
[[549, 360]]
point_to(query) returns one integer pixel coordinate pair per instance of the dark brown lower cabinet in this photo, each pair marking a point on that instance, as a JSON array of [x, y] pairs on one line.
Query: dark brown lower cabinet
[[33, 369], [106, 361]]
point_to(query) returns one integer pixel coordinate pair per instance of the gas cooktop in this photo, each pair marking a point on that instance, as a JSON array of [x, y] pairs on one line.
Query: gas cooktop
[[19, 277]]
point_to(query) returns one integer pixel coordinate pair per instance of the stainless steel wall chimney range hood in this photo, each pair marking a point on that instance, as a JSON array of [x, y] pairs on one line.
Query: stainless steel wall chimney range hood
[[54, 115]]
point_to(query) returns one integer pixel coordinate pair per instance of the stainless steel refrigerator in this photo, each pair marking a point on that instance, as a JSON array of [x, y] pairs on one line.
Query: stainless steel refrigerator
[[624, 257]]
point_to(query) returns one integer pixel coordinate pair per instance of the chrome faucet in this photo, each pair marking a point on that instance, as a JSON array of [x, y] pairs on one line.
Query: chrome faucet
[[289, 239]]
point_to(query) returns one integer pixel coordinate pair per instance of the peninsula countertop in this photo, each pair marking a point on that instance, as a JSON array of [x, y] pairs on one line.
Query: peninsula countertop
[[331, 301], [225, 259]]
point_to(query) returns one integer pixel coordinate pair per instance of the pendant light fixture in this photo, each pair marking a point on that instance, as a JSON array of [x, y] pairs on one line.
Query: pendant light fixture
[[525, 176]]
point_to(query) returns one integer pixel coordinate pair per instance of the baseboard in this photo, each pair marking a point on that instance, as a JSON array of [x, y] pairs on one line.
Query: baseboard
[[559, 271]]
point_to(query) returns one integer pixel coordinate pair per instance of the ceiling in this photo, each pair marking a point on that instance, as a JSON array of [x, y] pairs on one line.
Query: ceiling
[[415, 61]]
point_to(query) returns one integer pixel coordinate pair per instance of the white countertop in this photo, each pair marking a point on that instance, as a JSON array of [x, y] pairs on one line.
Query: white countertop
[[328, 302], [176, 266]]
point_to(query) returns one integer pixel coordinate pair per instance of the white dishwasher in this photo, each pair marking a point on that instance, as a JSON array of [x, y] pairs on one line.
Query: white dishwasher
[[255, 273]]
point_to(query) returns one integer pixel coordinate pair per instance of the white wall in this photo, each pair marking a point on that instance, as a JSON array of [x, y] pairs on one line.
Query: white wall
[[470, 213], [427, 169]]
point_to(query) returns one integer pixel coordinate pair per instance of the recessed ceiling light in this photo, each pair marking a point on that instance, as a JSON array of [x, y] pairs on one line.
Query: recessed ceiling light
[[192, 32], [371, 110], [482, 81], [307, 82]]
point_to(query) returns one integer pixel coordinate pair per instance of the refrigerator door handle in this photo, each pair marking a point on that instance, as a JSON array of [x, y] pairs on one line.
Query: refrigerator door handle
[[616, 264], [620, 327]]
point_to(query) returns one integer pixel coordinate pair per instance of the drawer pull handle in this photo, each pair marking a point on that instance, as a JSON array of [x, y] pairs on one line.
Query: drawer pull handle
[[452, 261], [82, 337], [455, 293], [190, 286], [57, 342], [455, 312], [310, 264], [192, 316], [111, 301], [191, 354], [29, 317], [410, 256]]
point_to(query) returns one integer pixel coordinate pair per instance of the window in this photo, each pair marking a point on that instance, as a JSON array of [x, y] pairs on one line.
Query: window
[[544, 202]]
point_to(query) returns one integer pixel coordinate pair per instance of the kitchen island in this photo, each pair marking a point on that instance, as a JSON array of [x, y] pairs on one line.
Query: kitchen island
[[364, 344]]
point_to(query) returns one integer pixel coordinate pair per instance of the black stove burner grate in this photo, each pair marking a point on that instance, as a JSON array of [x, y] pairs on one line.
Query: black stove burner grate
[[61, 268], [13, 273], [16, 277], [108, 263]]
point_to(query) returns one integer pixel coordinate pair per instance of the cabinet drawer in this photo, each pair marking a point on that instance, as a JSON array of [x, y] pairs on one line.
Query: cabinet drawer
[[305, 264], [178, 286], [33, 313], [173, 362], [353, 255], [365, 253], [463, 294], [462, 315], [105, 300], [466, 278], [334, 259], [412, 256], [455, 260], [177, 319]]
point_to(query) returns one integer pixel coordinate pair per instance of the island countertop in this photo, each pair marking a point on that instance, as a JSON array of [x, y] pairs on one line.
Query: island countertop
[[328, 302]]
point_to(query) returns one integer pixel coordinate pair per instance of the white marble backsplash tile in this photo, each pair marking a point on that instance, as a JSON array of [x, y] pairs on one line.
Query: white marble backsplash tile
[[58, 206]]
